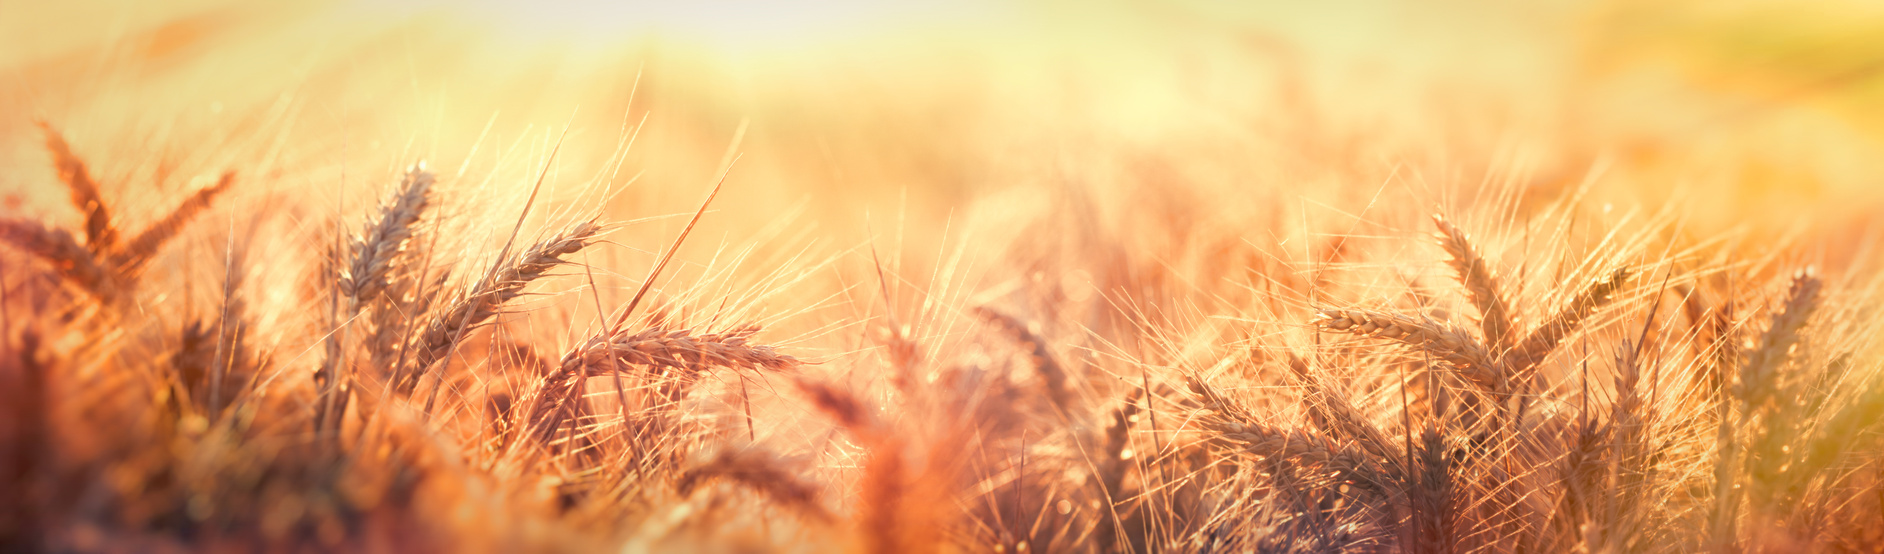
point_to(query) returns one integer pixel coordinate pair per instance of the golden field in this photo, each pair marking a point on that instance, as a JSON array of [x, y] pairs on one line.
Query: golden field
[[741, 276]]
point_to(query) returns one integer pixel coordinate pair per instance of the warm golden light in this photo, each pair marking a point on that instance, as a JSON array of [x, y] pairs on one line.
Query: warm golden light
[[924, 276]]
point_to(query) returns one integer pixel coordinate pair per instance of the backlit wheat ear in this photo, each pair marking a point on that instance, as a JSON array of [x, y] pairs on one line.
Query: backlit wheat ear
[[144, 246], [101, 236], [479, 305], [371, 257], [839, 405], [1566, 321], [1443, 342], [1050, 369], [1112, 467], [1432, 494], [1481, 285], [887, 515], [60, 249], [651, 349], [1233, 425], [1775, 346], [1583, 475], [1330, 410], [680, 349], [760, 471], [376, 248]]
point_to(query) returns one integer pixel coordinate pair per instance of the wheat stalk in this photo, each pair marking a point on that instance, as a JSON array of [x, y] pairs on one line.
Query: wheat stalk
[[760, 471], [680, 349], [373, 254], [654, 349], [1775, 346]]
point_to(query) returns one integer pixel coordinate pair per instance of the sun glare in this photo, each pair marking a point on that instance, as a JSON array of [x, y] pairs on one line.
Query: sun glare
[[736, 24]]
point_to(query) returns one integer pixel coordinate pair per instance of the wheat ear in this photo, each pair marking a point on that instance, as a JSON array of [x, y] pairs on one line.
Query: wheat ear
[[1441, 341], [376, 248], [101, 237], [145, 245], [478, 306], [1481, 286], [680, 349], [653, 349], [374, 252], [57, 247], [1763, 362], [1044, 362], [1546, 337], [1233, 425], [760, 471]]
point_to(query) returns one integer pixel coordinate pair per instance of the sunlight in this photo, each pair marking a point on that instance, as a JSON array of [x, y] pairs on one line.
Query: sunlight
[[739, 24]]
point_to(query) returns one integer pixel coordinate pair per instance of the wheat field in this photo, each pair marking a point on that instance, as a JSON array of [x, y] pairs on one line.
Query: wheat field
[[737, 276]]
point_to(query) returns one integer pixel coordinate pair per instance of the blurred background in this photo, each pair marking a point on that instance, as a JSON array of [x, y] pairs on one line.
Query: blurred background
[[853, 120]]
